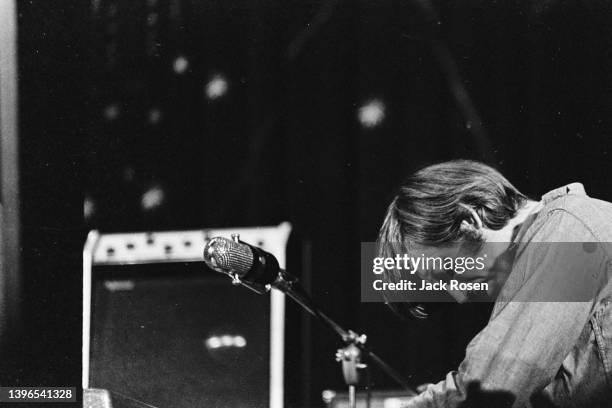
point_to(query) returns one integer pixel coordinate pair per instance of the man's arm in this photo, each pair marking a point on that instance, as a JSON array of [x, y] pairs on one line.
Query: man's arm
[[522, 348]]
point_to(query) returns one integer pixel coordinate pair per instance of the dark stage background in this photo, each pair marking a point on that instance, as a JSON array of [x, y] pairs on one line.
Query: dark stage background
[[177, 114]]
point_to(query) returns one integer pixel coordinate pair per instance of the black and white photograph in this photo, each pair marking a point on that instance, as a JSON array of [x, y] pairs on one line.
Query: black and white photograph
[[305, 204]]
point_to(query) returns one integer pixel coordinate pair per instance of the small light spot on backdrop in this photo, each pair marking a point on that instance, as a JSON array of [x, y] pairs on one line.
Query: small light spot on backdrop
[[180, 65], [152, 19], [239, 341], [226, 340], [216, 87], [154, 116], [153, 198], [95, 6], [89, 208], [372, 113], [111, 111], [213, 343]]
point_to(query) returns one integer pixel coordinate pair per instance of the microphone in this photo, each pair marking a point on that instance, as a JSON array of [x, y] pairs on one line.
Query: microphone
[[245, 263]]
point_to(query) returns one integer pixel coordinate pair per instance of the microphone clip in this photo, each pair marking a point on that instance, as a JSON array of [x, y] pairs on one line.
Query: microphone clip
[[255, 287]]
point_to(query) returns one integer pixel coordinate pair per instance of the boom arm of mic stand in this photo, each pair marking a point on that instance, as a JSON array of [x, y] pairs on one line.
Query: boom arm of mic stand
[[292, 288]]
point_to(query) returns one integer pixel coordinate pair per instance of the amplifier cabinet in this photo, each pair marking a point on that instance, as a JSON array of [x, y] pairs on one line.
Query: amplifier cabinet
[[162, 328]]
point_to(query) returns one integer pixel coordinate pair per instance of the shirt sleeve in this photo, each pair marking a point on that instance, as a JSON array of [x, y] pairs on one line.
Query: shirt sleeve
[[525, 343]]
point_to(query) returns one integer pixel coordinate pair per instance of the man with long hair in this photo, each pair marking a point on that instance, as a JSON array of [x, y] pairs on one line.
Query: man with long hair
[[533, 351]]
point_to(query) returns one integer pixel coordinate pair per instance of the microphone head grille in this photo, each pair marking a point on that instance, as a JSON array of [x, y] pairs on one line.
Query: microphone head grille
[[225, 255]]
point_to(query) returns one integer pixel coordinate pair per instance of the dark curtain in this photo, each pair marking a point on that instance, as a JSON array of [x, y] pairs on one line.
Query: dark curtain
[[285, 142]]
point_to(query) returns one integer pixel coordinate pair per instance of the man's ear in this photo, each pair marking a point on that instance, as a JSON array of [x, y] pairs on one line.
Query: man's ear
[[472, 224]]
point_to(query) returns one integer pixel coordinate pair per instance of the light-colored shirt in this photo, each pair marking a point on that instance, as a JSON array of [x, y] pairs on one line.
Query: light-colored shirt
[[544, 354]]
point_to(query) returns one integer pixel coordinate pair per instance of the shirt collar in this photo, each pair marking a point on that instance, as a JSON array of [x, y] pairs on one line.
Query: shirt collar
[[570, 189]]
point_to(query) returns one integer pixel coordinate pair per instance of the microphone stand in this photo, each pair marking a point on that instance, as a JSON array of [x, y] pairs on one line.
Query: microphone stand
[[355, 344]]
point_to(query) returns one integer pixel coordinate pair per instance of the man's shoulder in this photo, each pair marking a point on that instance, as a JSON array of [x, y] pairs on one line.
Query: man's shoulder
[[591, 213]]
